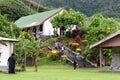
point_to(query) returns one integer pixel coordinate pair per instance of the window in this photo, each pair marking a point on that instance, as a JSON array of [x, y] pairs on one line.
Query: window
[[41, 27]]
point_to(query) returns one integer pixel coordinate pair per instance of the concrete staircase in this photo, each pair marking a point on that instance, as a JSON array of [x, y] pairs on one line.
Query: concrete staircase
[[71, 56]]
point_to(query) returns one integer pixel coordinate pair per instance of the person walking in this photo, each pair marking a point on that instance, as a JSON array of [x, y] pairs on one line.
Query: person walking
[[11, 64], [75, 64]]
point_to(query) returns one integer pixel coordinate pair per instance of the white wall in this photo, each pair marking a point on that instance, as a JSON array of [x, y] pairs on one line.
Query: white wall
[[72, 27], [5, 51], [47, 28]]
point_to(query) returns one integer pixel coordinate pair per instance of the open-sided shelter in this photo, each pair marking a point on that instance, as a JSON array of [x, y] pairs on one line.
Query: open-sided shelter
[[113, 42]]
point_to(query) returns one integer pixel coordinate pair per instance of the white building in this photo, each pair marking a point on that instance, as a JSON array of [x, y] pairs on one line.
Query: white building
[[6, 49], [39, 23]]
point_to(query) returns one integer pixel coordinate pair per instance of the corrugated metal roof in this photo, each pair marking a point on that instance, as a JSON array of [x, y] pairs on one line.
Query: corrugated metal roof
[[105, 39], [8, 39], [35, 19]]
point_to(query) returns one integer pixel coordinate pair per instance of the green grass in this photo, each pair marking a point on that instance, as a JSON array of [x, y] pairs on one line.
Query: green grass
[[61, 72]]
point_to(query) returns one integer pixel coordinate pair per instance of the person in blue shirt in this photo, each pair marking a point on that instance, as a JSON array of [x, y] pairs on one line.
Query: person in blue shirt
[[78, 56]]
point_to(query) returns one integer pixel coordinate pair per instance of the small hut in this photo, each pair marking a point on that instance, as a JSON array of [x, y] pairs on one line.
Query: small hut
[[113, 42], [6, 49]]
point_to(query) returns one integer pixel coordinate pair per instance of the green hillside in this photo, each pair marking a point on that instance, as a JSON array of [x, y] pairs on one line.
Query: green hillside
[[14, 9], [35, 6], [109, 8]]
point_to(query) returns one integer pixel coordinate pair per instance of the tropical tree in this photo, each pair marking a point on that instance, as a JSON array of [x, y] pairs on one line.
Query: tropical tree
[[8, 28], [26, 46], [98, 29], [101, 27], [29, 47], [68, 18]]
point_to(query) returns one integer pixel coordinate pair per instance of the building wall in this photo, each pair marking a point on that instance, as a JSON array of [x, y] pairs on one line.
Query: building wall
[[5, 52], [47, 28]]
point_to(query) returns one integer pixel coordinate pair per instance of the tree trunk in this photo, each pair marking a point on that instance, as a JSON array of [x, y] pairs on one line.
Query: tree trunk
[[36, 60], [24, 62]]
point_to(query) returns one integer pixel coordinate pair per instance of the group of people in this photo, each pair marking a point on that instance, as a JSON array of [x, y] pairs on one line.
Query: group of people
[[11, 60]]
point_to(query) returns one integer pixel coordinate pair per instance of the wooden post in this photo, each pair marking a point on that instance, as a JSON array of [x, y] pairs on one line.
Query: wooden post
[[100, 58]]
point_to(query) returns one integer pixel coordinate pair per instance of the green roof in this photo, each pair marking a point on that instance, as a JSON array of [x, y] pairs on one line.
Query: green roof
[[35, 19]]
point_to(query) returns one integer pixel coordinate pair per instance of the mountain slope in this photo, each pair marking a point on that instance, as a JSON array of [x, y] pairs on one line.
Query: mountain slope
[[14, 9], [35, 6], [109, 8]]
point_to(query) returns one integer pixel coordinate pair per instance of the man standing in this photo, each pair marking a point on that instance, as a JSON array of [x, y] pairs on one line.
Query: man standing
[[11, 63], [75, 64]]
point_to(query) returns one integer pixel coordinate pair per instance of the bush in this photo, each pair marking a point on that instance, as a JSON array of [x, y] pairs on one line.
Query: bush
[[76, 32], [78, 50], [53, 57], [78, 39], [69, 34], [74, 46]]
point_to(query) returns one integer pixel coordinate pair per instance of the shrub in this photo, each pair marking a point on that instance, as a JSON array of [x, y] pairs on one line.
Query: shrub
[[69, 34], [76, 32], [78, 50], [53, 57], [74, 46], [78, 39]]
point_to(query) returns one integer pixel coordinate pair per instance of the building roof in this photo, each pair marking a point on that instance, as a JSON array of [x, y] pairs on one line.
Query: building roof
[[105, 39], [8, 39], [36, 19]]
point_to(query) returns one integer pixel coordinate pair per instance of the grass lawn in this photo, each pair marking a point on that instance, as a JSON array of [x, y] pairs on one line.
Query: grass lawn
[[61, 72]]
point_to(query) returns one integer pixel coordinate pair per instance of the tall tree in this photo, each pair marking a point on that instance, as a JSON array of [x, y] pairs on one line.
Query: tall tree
[[9, 29], [98, 29], [68, 18]]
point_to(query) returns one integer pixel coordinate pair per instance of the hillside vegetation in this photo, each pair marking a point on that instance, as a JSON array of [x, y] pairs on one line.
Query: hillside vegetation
[[109, 8], [14, 9], [35, 6]]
